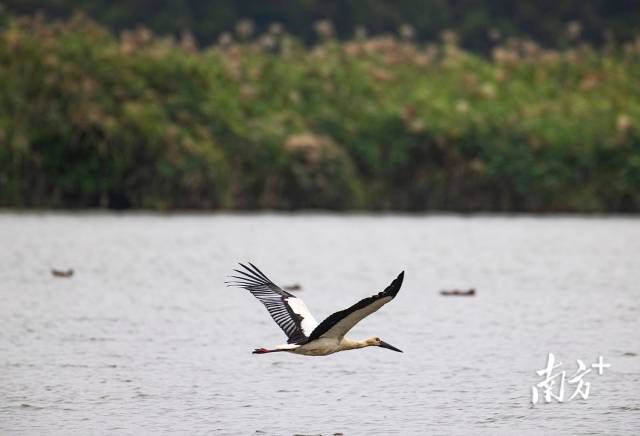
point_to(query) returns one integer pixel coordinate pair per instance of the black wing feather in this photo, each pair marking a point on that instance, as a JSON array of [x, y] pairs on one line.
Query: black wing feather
[[391, 291], [274, 299]]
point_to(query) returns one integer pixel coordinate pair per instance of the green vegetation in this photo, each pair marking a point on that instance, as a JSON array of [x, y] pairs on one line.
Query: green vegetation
[[88, 119], [476, 22]]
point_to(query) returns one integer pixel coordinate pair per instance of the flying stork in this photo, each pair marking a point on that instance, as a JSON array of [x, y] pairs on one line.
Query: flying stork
[[305, 335]]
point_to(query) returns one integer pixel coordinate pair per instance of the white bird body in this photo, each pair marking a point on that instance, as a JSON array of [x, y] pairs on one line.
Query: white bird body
[[324, 346], [319, 347], [306, 336]]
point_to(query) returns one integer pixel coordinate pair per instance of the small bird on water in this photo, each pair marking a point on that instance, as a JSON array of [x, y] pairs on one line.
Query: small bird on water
[[62, 273], [305, 335]]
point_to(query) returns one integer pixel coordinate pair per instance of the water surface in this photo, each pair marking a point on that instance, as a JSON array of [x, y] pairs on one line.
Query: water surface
[[145, 338]]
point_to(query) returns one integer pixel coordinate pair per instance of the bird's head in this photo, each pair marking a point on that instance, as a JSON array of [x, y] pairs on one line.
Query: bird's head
[[377, 342]]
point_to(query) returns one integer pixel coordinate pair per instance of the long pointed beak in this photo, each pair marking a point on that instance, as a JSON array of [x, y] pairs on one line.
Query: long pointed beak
[[389, 346]]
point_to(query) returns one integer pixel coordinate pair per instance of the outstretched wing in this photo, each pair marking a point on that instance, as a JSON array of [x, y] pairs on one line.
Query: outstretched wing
[[289, 312], [338, 324]]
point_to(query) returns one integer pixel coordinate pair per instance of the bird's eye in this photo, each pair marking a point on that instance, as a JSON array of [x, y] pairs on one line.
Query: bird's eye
[[378, 339]]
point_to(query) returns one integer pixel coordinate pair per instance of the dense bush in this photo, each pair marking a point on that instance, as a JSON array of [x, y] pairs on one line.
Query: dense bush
[[477, 22], [91, 120]]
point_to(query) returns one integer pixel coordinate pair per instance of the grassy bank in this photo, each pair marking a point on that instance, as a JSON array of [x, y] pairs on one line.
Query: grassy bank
[[89, 119]]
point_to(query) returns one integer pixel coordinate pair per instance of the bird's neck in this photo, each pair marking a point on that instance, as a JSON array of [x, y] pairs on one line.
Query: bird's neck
[[349, 344]]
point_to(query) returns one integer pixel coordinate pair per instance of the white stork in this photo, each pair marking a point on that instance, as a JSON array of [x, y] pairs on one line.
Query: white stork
[[305, 335]]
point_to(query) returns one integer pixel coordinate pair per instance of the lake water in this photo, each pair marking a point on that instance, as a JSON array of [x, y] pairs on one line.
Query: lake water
[[146, 339]]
